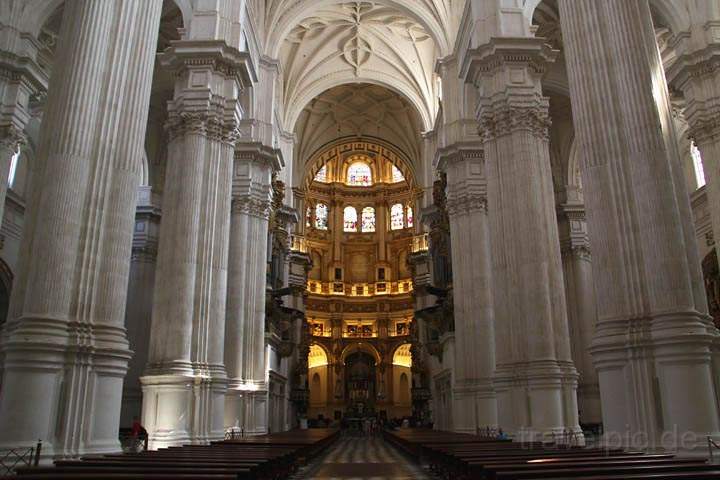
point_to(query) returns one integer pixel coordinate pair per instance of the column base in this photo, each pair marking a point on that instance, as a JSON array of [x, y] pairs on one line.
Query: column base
[[246, 408], [52, 386], [589, 404], [657, 381], [183, 408], [474, 406], [538, 401]]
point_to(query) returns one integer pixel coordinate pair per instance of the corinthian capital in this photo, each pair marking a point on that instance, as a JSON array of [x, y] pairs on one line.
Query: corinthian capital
[[11, 137], [255, 206], [498, 118]]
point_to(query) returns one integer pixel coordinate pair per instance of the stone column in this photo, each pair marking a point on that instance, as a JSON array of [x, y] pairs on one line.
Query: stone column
[[697, 75], [246, 401], [474, 401], [535, 378], [65, 347], [582, 311], [185, 380], [140, 300], [652, 346]]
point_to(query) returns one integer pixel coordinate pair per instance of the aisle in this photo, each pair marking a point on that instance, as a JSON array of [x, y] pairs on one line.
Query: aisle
[[364, 458]]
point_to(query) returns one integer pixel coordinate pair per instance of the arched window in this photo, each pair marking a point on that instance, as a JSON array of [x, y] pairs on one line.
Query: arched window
[[308, 216], [350, 219], [321, 216], [397, 175], [13, 168], [321, 175], [368, 219], [396, 217], [410, 220], [359, 174], [698, 165]]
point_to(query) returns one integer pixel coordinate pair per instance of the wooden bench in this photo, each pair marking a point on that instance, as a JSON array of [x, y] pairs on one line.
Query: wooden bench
[[463, 456], [266, 457]]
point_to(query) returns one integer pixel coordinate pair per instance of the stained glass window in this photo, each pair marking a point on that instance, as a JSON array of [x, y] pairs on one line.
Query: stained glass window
[[396, 217], [397, 175], [321, 175], [321, 216], [368, 219], [697, 163], [350, 219], [359, 174], [409, 216], [308, 216]]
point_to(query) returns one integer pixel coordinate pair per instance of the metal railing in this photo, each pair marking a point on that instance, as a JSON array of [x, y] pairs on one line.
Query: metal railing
[[12, 458], [568, 438], [133, 443], [712, 445], [234, 433]]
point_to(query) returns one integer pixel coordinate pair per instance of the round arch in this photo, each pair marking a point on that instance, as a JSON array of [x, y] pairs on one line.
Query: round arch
[[300, 10], [361, 347], [320, 158], [318, 356], [401, 355]]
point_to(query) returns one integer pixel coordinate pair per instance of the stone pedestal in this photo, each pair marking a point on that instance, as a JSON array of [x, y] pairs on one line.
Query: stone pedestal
[[65, 347], [474, 402], [245, 357], [654, 341], [535, 379], [185, 380]]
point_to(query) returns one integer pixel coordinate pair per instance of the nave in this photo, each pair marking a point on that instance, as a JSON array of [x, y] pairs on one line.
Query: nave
[[362, 458]]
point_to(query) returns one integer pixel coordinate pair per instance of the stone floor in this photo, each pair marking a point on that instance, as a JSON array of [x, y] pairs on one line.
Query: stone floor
[[363, 458]]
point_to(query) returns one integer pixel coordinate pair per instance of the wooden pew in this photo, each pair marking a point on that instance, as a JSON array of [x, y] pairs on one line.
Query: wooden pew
[[267, 457], [462, 456]]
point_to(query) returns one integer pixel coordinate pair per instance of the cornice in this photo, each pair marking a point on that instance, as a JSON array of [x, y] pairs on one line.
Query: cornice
[[531, 52], [459, 151], [184, 54], [260, 153]]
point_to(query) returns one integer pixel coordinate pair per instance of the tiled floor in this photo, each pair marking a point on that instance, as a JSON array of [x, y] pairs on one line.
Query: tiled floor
[[363, 458]]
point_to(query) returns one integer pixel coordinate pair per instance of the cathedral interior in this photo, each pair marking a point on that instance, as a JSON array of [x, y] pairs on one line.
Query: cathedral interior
[[228, 219]]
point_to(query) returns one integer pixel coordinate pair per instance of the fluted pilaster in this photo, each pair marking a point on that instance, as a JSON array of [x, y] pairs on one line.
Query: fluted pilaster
[[581, 307], [474, 363], [247, 396], [652, 346]]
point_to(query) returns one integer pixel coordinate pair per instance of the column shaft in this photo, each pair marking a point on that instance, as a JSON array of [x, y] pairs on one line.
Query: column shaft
[[473, 393], [582, 309], [652, 347], [246, 401], [65, 346]]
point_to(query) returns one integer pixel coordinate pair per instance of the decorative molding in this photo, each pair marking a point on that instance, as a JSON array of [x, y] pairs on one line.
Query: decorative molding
[[12, 137], [466, 204], [204, 123], [498, 119], [249, 205]]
